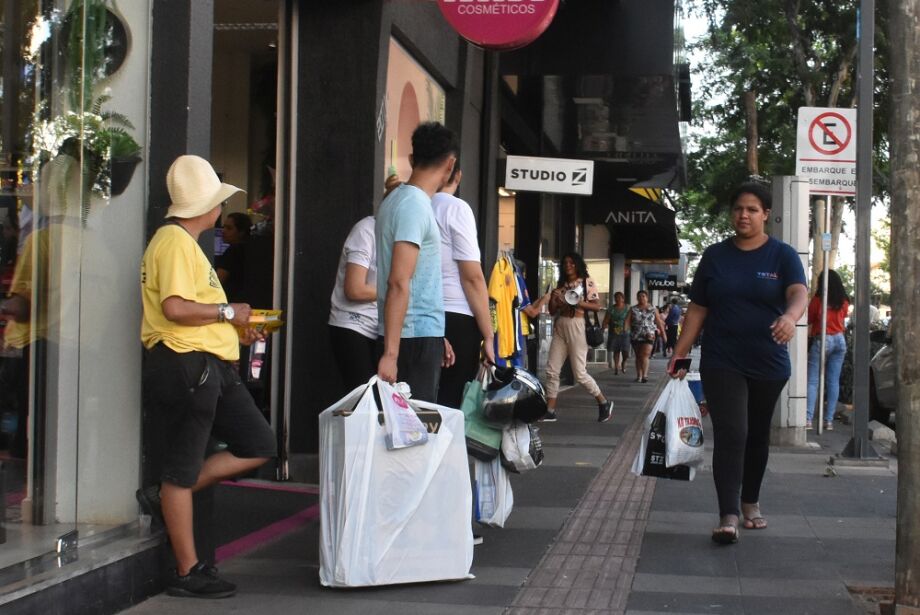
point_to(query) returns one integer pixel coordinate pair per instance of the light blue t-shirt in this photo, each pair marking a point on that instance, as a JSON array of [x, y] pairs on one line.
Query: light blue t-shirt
[[406, 215]]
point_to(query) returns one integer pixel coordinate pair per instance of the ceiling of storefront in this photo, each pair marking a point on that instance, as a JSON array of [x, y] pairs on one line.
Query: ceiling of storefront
[[246, 25]]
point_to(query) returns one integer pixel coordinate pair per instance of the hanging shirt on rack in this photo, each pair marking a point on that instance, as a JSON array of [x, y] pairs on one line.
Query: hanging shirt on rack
[[503, 292]]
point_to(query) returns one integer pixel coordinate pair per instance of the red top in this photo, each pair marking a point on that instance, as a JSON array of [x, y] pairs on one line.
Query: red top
[[835, 322]]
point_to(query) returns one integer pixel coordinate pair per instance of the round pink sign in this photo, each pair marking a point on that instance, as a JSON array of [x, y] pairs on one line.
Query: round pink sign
[[499, 24]]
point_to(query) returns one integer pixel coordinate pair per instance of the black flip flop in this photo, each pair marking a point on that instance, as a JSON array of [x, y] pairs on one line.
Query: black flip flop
[[723, 537]]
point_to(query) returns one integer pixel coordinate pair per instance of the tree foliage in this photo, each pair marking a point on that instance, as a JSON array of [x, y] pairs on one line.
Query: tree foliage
[[789, 53]]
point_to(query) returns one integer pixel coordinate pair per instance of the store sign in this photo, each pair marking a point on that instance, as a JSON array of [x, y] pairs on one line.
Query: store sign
[[659, 280], [632, 216], [499, 24], [557, 175], [825, 149]]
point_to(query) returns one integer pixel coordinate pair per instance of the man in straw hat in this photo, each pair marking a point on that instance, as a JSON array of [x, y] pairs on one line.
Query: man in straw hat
[[192, 335]]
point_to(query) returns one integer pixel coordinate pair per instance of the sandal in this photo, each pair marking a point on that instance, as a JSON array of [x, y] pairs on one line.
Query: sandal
[[754, 520], [727, 532]]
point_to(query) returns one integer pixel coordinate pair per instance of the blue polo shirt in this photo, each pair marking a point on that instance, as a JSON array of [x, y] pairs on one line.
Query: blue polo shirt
[[406, 215], [744, 293]]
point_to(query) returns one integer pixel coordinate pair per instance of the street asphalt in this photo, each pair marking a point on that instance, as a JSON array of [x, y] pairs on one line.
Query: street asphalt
[[587, 536]]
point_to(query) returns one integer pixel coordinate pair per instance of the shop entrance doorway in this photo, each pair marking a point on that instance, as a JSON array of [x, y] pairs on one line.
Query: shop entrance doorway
[[244, 151]]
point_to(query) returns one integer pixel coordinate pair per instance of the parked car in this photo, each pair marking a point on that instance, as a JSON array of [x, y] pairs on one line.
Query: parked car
[[883, 379]]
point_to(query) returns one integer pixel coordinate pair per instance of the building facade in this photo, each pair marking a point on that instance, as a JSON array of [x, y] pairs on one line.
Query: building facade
[[308, 107]]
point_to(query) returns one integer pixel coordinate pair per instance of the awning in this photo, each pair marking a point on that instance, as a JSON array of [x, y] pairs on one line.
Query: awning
[[639, 228]]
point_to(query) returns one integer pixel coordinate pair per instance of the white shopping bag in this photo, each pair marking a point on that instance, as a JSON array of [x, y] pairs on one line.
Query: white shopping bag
[[684, 433], [522, 448], [390, 517], [652, 457], [494, 498], [404, 429]]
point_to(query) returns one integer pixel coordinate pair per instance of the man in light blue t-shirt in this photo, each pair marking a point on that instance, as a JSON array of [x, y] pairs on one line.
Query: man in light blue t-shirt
[[410, 297]]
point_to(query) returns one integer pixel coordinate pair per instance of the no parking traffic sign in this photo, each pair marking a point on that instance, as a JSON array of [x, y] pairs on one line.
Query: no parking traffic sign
[[825, 149]]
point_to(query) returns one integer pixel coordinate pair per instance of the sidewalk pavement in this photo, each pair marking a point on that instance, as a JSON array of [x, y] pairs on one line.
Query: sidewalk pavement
[[587, 536]]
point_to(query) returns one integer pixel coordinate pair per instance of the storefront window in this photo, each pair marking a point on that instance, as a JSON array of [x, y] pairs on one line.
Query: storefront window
[[413, 97], [72, 109]]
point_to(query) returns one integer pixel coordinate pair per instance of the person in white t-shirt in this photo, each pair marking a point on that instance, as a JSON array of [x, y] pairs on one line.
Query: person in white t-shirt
[[353, 310], [353, 314], [466, 298]]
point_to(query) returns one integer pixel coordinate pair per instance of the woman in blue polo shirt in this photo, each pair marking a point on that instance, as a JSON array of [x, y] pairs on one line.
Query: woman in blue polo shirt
[[747, 294]]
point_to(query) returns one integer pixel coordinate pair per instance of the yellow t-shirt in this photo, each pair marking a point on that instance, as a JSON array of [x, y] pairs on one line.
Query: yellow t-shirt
[[174, 265], [503, 291]]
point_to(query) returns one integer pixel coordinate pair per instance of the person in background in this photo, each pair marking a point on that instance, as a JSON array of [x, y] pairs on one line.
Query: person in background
[[468, 324], [353, 311], [617, 333], [838, 304], [231, 265], [192, 335], [410, 304], [672, 325], [748, 292], [569, 334], [643, 323]]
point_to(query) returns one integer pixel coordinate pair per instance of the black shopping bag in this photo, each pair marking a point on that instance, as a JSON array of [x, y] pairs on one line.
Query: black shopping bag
[[654, 453]]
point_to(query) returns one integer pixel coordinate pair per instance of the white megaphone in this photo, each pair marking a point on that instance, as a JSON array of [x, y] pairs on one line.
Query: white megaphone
[[573, 295]]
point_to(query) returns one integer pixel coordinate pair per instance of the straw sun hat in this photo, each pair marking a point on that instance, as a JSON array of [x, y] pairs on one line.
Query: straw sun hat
[[194, 187]]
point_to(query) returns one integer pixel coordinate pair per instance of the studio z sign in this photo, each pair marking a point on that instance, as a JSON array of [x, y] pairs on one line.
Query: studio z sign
[[556, 175], [499, 24]]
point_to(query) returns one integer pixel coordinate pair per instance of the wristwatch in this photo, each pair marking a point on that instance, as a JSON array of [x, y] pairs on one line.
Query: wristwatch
[[225, 312]]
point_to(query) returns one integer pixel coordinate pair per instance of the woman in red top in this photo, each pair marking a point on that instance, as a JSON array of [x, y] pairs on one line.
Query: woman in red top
[[837, 305]]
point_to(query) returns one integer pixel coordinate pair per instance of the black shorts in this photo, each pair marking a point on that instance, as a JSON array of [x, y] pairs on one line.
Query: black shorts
[[190, 396]]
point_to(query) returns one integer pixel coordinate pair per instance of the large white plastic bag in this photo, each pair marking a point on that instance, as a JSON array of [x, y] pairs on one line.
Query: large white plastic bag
[[404, 429], [651, 457], [391, 517], [684, 432], [494, 498]]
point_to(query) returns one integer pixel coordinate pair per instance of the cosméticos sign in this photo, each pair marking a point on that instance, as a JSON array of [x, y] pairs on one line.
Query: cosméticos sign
[[557, 175], [499, 24]]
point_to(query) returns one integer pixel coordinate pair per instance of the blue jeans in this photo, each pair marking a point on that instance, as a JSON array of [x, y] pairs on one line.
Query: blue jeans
[[836, 350]]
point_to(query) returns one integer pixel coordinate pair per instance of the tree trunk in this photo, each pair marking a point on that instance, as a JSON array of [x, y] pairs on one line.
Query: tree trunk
[[750, 116], [904, 33]]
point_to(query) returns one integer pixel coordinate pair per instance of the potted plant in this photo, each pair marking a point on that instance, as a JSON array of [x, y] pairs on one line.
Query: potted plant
[[100, 136]]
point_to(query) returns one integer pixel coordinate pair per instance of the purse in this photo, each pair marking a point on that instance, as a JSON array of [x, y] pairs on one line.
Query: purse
[[594, 333]]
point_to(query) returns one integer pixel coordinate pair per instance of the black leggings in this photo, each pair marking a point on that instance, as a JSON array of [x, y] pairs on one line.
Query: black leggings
[[741, 409]]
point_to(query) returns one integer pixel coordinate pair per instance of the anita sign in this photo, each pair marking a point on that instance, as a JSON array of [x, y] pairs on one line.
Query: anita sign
[[634, 216], [499, 24]]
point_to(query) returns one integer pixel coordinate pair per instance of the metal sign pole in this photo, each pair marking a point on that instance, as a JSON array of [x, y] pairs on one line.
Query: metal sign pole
[[822, 373], [858, 446]]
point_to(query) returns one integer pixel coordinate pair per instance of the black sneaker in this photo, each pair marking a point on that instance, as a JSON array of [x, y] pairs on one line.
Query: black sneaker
[[200, 582], [604, 411], [549, 417], [149, 499]]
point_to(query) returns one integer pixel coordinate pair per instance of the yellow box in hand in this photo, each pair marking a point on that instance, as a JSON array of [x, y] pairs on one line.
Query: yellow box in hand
[[266, 321]]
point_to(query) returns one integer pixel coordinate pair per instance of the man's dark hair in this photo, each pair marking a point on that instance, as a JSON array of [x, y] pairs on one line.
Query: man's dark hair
[[432, 143], [758, 190]]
